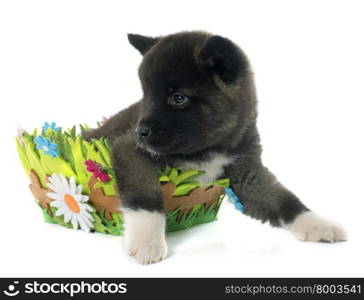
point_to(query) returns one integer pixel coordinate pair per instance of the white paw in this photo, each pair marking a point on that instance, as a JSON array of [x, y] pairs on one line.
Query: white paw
[[147, 251], [310, 227], [145, 235]]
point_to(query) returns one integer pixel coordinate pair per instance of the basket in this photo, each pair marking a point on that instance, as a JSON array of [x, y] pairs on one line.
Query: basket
[[73, 183]]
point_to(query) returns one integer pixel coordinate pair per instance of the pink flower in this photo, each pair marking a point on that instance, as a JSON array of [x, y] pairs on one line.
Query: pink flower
[[104, 120], [104, 177], [97, 171], [91, 166], [21, 132]]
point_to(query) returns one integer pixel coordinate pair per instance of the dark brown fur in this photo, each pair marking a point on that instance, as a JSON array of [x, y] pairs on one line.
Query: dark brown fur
[[220, 118]]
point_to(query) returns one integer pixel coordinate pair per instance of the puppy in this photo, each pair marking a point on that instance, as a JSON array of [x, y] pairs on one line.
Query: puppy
[[198, 110]]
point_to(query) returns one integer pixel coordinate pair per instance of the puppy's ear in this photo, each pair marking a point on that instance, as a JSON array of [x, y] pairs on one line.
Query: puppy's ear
[[141, 43], [220, 56]]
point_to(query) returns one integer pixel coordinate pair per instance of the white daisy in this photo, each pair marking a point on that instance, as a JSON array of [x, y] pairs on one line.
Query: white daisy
[[70, 202]]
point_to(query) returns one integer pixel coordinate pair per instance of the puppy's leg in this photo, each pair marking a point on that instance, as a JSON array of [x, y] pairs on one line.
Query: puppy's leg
[[142, 201], [266, 199]]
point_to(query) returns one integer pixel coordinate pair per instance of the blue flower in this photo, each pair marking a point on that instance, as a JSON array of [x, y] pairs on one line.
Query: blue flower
[[51, 126], [234, 199], [47, 146]]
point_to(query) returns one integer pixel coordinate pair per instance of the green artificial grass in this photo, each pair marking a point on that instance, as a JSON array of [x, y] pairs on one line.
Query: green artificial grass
[[200, 214], [73, 151]]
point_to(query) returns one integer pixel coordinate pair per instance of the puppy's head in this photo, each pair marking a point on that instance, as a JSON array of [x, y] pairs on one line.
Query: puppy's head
[[198, 92]]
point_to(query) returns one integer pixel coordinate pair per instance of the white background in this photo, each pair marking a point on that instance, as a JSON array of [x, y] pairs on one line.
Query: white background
[[70, 62]]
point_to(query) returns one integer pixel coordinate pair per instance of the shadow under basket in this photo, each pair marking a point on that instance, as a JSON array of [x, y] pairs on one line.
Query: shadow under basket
[[73, 183]]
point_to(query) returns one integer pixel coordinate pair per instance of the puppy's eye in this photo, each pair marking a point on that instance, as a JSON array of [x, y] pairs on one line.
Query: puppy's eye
[[177, 99]]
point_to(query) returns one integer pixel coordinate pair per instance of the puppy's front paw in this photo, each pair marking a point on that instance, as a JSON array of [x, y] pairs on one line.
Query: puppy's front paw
[[145, 235], [147, 249], [310, 227]]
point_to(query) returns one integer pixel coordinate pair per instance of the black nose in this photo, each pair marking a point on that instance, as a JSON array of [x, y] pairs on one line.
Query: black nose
[[143, 131]]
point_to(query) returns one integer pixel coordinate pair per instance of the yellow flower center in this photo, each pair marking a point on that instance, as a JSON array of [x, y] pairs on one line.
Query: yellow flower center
[[71, 203]]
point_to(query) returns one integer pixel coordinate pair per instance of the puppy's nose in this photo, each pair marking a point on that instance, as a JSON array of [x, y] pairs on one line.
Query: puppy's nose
[[143, 131]]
